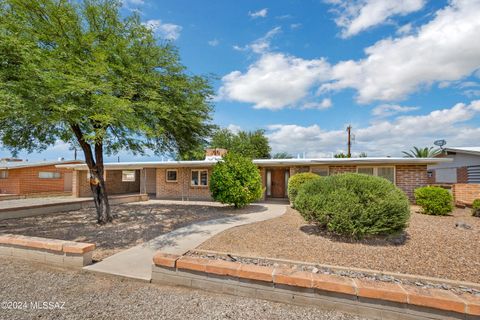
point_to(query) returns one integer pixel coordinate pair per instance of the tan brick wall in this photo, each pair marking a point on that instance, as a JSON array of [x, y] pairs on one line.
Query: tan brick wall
[[182, 188], [26, 181], [464, 193], [410, 177]]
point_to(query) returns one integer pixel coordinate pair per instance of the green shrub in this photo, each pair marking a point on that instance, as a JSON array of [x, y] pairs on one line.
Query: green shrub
[[476, 208], [434, 200], [236, 180], [296, 181], [354, 205]]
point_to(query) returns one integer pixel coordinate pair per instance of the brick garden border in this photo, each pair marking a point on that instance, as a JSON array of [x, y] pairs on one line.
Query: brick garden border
[[376, 299], [50, 251]]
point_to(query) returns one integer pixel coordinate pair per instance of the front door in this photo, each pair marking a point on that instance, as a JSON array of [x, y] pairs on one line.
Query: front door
[[278, 183]]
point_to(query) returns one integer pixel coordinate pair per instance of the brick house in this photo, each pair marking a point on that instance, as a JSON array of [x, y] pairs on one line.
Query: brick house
[[188, 180], [24, 178]]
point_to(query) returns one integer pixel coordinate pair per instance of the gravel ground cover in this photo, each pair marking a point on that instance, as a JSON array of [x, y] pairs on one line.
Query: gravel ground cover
[[89, 296], [134, 224], [444, 247]]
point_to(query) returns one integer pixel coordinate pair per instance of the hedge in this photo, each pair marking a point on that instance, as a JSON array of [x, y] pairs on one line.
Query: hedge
[[435, 201]]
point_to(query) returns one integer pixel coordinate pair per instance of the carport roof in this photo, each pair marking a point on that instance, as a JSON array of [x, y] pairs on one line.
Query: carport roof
[[27, 164], [264, 163]]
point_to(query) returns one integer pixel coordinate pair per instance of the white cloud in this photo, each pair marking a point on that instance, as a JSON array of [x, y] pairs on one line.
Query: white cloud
[[295, 26], [383, 137], [405, 29], [356, 16], [234, 128], [444, 49], [387, 110], [324, 104], [214, 42], [259, 14], [168, 31], [262, 44], [274, 82]]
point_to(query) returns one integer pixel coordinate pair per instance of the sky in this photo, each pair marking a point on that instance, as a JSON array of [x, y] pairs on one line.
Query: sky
[[401, 73]]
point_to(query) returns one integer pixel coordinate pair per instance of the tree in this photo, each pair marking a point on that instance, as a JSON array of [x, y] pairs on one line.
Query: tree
[[252, 144], [341, 155], [236, 180], [422, 152], [282, 155], [76, 71]]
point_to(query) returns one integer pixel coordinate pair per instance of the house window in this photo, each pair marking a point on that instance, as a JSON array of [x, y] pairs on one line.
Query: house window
[[49, 175], [384, 172], [321, 171], [3, 174], [128, 176], [199, 178], [172, 175]]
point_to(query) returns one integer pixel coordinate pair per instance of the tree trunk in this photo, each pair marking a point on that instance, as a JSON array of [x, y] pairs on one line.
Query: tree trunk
[[100, 197]]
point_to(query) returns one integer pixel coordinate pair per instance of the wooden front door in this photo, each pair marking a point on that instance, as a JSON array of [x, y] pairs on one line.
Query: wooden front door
[[278, 183]]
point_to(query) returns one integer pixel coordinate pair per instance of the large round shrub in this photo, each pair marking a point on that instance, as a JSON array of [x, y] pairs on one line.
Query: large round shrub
[[296, 181], [476, 208], [236, 180], [354, 205], [434, 200]]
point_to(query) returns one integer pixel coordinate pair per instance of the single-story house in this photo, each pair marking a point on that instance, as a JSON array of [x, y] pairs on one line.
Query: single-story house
[[25, 177], [464, 167], [189, 180]]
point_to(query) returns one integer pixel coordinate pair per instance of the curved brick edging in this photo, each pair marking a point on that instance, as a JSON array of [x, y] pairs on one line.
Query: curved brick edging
[[50, 251], [373, 298]]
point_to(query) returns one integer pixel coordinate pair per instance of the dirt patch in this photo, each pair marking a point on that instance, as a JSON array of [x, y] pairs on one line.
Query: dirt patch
[[445, 247], [134, 223]]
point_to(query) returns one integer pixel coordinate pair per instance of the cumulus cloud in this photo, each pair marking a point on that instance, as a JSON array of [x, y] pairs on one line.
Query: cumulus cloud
[[262, 44], [381, 138], [359, 15], [387, 110], [262, 13], [324, 104], [274, 82], [444, 49], [234, 128], [168, 31]]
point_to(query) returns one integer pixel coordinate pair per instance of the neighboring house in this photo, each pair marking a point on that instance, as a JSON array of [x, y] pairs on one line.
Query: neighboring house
[[464, 167], [189, 179], [24, 177]]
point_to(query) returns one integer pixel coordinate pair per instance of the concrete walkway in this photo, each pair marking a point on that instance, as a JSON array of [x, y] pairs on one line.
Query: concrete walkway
[[136, 262]]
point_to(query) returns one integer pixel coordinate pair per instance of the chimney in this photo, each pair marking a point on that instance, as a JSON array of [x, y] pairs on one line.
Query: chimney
[[214, 153]]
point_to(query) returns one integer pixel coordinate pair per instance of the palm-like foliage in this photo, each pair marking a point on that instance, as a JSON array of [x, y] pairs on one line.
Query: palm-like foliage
[[422, 152]]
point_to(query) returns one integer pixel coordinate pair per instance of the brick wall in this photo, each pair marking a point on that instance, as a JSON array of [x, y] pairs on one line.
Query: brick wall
[[410, 177], [26, 181], [181, 189], [113, 183], [341, 169], [464, 193], [462, 175]]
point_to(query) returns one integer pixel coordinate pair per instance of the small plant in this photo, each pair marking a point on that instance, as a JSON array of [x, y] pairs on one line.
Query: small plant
[[476, 208], [236, 180], [296, 181], [354, 205], [434, 200]]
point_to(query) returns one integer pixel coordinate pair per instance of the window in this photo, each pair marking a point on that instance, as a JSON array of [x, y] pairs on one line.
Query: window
[[172, 175], [199, 178], [321, 171], [49, 175], [3, 174], [384, 172], [128, 176]]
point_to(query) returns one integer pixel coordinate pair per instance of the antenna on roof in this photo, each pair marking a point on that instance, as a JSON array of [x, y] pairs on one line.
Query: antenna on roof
[[440, 143]]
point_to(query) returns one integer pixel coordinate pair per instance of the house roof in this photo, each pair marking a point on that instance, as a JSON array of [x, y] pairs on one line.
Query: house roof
[[265, 163], [27, 164], [467, 150]]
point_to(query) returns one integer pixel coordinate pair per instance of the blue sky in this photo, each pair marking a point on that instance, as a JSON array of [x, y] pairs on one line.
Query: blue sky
[[402, 73]]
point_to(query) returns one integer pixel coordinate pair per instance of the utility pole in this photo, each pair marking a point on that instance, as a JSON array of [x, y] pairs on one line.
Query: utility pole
[[349, 143]]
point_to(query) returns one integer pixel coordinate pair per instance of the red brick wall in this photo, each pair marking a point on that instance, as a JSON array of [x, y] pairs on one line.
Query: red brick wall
[[462, 175], [26, 181], [464, 193], [410, 177], [181, 188], [113, 183]]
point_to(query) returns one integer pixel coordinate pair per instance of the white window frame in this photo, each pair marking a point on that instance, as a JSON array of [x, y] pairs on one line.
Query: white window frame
[[312, 170], [199, 178], [375, 171], [134, 176], [55, 175], [4, 174], [176, 175]]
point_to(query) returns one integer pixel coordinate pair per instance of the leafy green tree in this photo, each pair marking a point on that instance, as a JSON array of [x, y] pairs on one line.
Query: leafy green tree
[[422, 152], [341, 155], [282, 155], [236, 180], [76, 71], [252, 144]]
